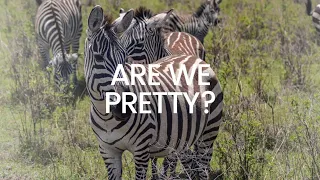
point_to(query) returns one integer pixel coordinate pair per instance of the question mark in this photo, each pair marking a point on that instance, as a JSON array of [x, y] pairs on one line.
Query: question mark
[[206, 103]]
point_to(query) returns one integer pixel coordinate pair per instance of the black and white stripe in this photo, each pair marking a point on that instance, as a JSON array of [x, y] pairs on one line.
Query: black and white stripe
[[58, 26], [145, 135]]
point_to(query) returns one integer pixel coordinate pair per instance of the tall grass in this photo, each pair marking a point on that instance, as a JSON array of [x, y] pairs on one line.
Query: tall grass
[[264, 52]]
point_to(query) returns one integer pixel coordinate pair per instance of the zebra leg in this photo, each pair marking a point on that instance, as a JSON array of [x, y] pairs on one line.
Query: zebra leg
[[154, 169], [169, 166], [45, 55], [141, 159], [204, 146], [75, 48], [112, 160], [74, 71], [203, 154], [187, 158], [44, 52]]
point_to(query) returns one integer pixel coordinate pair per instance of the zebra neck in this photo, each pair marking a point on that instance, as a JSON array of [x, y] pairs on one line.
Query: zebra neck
[[199, 23], [162, 50]]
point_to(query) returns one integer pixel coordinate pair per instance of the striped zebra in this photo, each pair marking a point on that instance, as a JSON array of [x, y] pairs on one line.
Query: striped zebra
[[314, 13], [198, 23], [146, 42], [145, 135], [58, 26], [145, 39]]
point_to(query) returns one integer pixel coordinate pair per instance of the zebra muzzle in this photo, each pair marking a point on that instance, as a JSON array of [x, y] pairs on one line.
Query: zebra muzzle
[[217, 21], [118, 113], [117, 110]]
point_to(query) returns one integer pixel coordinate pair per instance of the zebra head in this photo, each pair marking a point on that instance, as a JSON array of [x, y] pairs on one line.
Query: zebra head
[[103, 52], [63, 65], [209, 12], [143, 39]]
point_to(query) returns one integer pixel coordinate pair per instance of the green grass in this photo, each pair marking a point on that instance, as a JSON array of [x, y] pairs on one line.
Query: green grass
[[12, 165], [265, 54]]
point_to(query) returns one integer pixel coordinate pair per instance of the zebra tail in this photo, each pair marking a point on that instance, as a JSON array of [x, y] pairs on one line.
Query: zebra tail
[[309, 7], [65, 66]]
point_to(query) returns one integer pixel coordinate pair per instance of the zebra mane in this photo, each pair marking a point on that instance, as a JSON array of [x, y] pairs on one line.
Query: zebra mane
[[142, 13], [200, 9]]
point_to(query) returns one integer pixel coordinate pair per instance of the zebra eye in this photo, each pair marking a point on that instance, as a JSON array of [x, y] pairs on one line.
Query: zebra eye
[[98, 57]]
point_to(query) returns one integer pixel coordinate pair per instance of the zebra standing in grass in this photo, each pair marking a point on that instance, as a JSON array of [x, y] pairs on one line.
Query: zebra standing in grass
[[197, 24], [314, 13], [145, 135], [146, 43], [58, 25], [146, 38]]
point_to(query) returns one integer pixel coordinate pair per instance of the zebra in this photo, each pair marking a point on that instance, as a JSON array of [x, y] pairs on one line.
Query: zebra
[[314, 13], [58, 25], [145, 135], [145, 38], [198, 23], [146, 43]]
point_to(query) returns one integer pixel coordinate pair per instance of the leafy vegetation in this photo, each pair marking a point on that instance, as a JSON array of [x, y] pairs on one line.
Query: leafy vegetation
[[265, 53]]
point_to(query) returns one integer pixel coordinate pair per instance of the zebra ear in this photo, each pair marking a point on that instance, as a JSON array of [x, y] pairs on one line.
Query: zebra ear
[[168, 15], [124, 22], [208, 5], [95, 19], [121, 15], [159, 19]]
